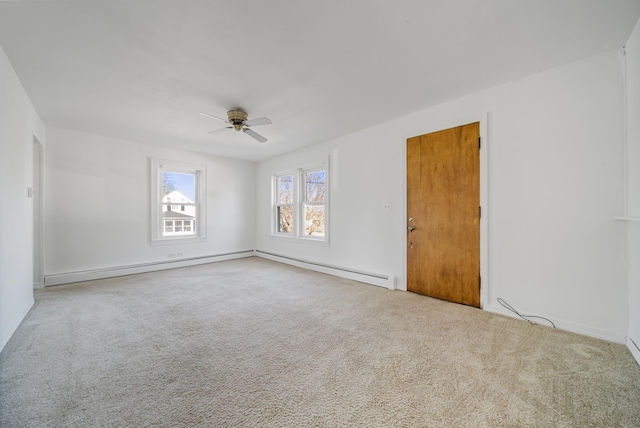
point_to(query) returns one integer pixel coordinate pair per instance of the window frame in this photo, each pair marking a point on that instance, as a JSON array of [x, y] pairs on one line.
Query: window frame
[[302, 222], [299, 203], [277, 204], [157, 168]]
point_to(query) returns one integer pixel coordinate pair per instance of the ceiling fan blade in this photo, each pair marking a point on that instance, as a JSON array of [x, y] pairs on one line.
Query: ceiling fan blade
[[255, 135], [258, 121], [214, 117], [218, 131]]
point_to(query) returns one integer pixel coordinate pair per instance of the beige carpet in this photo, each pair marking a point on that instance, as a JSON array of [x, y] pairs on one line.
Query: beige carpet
[[256, 343]]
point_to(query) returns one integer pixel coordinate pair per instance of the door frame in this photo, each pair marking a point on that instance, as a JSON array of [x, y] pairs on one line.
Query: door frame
[[38, 213], [483, 119]]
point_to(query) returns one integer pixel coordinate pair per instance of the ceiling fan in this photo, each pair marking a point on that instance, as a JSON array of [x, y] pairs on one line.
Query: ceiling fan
[[238, 120]]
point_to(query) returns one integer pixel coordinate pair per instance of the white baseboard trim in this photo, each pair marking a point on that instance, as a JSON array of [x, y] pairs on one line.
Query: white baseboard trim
[[380, 280], [585, 330], [15, 323], [89, 275], [635, 350]]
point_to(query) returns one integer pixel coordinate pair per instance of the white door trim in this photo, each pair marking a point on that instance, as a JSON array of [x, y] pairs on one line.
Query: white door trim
[[38, 213]]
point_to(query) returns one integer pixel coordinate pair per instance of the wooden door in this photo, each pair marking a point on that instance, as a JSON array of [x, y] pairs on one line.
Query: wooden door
[[443, 207]]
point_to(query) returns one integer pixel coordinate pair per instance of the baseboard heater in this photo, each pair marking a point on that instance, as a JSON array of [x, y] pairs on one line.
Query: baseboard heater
[[88, 275], [366, 277]]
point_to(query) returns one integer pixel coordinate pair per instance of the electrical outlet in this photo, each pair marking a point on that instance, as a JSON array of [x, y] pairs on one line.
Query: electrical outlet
[[387, 206]]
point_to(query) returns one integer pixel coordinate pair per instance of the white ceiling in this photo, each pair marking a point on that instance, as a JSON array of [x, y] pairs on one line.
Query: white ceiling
[[143, 69]]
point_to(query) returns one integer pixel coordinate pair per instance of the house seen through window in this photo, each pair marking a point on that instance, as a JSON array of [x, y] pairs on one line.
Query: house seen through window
[[178, 203]]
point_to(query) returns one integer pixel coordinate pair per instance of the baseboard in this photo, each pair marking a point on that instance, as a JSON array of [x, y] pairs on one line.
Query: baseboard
[[585, 330], [380, 280], [89, 275], [15, 323], [635, 350]]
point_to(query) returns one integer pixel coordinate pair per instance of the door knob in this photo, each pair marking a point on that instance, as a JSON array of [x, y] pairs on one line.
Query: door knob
[[411, 228]]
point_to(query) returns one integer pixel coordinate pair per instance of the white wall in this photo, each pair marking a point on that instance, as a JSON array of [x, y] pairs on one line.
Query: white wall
[[97, 203], [555, 183], [633, 183], [19, 122]]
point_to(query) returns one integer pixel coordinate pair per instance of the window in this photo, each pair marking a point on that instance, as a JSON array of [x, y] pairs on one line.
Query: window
[[284, 204], [178, 211], [300, 204], [313, 202]]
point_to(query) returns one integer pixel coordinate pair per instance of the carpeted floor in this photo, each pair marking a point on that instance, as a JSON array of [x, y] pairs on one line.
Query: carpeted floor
[[256, 343]]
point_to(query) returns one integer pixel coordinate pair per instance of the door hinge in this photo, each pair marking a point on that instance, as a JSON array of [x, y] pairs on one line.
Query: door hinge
[[479, 142], [479, 212], [479, 282]]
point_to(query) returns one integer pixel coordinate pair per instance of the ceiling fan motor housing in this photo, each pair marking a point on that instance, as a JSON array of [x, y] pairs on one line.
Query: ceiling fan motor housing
[[237, 118]]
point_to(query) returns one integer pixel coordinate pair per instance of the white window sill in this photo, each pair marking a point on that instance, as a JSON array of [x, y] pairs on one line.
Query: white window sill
[[299, 240], [627, 218]]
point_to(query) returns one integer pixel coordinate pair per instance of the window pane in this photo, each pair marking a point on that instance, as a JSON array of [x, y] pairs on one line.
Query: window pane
[[178, 187], [314, 220], [178, 223], [285, 189], [315, 186], [285, 217]]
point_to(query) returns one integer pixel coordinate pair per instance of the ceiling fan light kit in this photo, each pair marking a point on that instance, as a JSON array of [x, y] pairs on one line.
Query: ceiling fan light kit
[[238, 119]]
